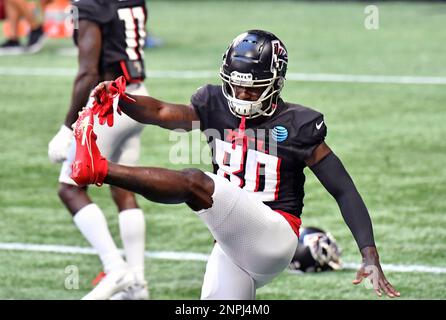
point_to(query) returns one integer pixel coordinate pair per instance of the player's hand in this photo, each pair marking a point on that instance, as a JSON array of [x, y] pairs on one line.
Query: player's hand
[[371, 271], [60, 144], [106, 98], [103, 103], [100, 91]]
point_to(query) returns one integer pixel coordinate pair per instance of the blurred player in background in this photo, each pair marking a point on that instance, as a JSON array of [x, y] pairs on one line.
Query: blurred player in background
[[15, 10], [110, 41], [253, 200]]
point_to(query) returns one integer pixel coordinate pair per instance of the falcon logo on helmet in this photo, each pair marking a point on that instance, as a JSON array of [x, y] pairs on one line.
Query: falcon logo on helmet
[[280, 56], [255, 59]]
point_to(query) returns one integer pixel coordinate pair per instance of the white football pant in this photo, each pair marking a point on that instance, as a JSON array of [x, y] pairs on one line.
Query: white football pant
[[254, 243]]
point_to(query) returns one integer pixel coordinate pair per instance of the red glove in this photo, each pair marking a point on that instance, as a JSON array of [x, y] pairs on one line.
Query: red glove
[[109, 99]]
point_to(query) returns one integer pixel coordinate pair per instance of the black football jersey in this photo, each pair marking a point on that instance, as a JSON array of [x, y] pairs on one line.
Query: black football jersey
[[122, 24], [269, 161]]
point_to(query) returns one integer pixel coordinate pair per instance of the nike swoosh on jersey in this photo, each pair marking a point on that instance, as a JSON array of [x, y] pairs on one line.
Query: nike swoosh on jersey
[[319, 125]]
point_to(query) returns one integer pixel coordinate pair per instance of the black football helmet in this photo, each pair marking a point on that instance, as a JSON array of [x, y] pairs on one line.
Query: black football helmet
[[317, 251], [257, 59]]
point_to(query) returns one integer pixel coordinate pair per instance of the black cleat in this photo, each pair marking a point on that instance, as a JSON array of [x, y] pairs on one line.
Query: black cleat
[[11, 47], [36, 39]]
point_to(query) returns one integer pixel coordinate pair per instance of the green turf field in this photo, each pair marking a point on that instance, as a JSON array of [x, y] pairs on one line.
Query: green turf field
[[391, 138]]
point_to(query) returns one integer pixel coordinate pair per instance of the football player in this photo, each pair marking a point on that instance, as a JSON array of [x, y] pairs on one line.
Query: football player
[[110, 40], [253, 200]]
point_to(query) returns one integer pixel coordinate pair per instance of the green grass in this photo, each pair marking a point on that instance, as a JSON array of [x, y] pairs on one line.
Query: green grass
[[390, 137]]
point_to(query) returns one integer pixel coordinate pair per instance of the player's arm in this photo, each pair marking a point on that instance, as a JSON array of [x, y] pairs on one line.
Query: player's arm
[[330, 171], [89, 44], [149, 110]]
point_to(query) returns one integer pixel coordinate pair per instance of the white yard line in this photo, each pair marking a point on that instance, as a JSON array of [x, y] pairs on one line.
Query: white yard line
[[192, 256], [350, 78], [209, 74], [166, 255]]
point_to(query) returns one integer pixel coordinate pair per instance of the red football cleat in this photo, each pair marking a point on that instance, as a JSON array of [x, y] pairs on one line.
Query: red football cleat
[[89, 166]]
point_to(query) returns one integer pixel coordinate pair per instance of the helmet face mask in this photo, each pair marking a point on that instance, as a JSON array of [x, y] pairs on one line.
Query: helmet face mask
[[255, 59], [250, 109], [324, 250]]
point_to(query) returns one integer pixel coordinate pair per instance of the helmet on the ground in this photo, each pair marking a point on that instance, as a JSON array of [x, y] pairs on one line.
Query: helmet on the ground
[[317, 251]]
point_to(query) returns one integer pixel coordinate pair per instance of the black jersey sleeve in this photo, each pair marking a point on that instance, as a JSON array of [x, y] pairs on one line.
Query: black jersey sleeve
[[311, 134], [99, 11], [201, 103]]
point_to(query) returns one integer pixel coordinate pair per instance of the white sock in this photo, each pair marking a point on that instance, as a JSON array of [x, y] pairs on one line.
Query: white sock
[[91, 222], [132, 226]]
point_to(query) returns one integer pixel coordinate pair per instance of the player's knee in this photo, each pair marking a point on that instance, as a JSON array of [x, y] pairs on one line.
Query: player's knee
[[195, 179], [200, 188]]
